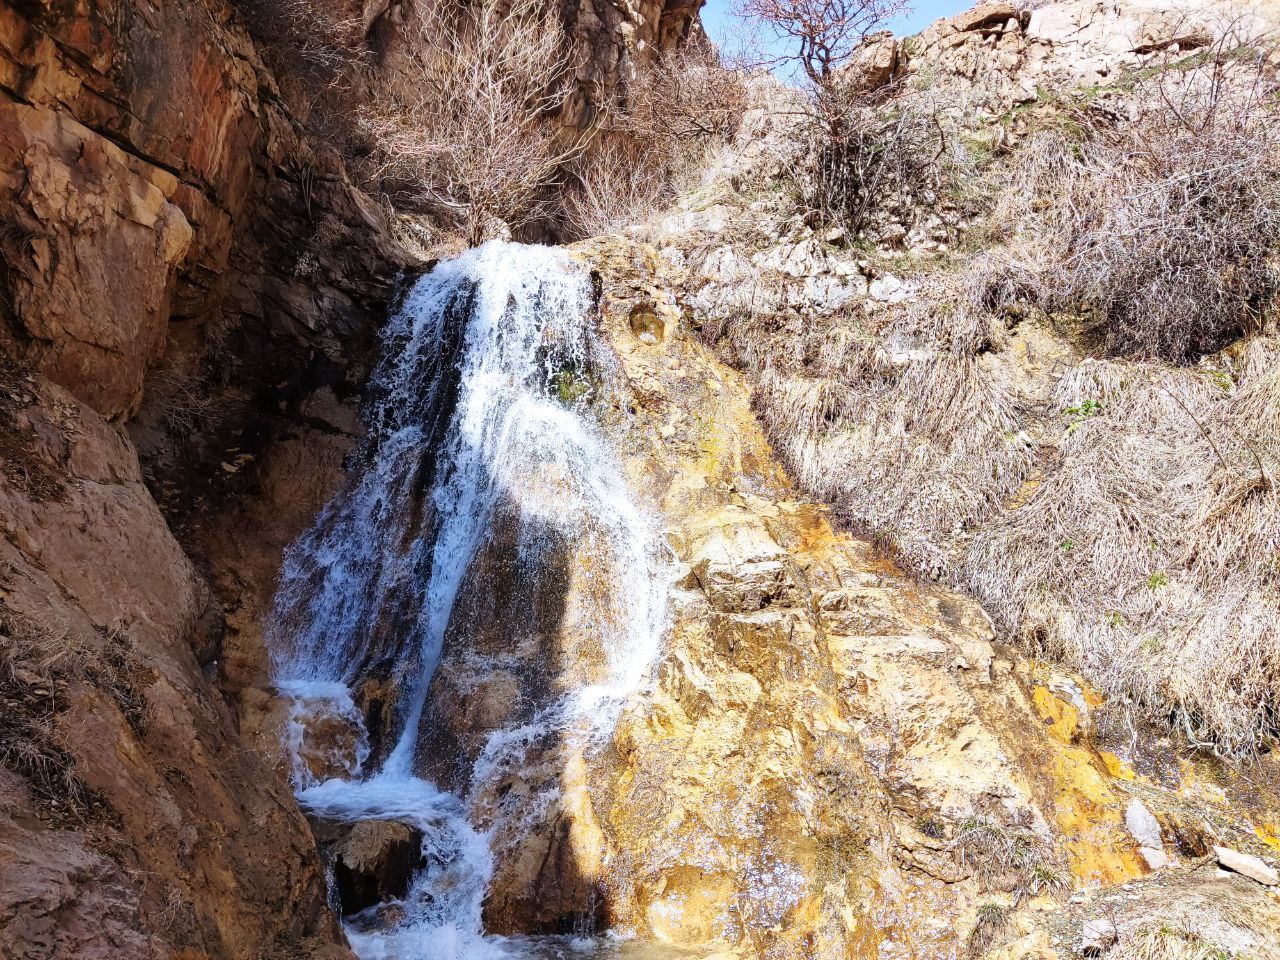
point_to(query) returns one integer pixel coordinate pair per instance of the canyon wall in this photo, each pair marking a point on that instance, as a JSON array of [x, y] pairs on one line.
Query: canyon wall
[[190, 283]]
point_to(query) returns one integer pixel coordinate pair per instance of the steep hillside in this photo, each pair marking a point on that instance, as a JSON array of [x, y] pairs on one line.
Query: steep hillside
[[1034, 347]]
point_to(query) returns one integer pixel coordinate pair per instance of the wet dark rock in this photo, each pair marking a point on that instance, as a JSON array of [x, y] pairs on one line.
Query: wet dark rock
[[373, 862]]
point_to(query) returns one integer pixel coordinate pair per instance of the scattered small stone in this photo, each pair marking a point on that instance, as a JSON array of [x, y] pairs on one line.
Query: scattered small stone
[[1246, 864], [1097, 937]]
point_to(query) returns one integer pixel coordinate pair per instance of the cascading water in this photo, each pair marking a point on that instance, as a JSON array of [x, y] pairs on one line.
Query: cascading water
[[480, 405]]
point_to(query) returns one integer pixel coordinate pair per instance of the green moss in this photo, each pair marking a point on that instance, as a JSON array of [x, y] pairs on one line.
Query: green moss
[[571, 385]]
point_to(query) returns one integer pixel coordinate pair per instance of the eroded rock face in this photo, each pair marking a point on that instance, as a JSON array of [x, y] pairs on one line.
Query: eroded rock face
[[151, 170], [159, 205], [158, 829], [1004, 51]]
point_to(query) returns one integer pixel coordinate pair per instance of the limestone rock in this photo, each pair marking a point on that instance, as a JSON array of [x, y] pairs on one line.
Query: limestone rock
[[1247, 865], [1097, 937], [875, 63], [1145, 829]]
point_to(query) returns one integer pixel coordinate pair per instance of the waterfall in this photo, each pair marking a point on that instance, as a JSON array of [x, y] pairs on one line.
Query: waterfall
[[481, 404]]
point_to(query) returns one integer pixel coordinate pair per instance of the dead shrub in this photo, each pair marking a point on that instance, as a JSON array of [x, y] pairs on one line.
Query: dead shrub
[[619, 185], [1162, 230], [312, 39], [466, 132], [185, 402], [873, 152]]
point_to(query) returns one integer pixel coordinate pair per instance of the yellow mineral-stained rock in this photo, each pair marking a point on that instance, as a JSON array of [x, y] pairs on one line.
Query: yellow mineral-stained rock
[[835, 760]]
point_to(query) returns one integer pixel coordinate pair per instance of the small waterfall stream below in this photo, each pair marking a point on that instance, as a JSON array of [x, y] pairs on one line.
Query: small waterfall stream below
[[478, 410]]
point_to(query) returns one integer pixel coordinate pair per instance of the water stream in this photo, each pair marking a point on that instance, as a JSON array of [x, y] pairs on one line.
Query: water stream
[[480, 406]]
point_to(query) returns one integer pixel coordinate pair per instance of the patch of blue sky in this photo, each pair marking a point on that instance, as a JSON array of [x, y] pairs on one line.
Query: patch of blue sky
[[729, 32]]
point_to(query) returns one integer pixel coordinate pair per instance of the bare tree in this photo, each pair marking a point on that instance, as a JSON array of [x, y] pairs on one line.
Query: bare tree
[[819, 36], [471, 132], [685, 95]]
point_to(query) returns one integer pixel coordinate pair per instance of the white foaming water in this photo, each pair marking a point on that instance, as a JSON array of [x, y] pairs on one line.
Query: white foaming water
[[480, 402]]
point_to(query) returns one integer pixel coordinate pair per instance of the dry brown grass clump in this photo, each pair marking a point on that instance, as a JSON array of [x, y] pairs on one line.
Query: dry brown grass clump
[[33, 665], [1161, 230], [1146, 554], [37, 668], [1009, 856]]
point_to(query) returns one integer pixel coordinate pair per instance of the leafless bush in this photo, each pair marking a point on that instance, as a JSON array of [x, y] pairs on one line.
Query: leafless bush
[[676, 110], [1162, 231], [185, 401], [890, 150], [892, 419], [316, 39], [618, 185], [684, 96], [467, 131]]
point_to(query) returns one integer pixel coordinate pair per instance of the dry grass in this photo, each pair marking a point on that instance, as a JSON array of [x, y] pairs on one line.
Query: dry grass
[[1167, 941], [37, 667], [1159, 232], [1150, 542], [33, 668], [991, 922], [1008, 855], [1119, 513]]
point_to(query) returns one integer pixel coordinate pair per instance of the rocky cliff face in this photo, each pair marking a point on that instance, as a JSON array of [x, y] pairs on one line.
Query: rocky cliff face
[[159, 205]]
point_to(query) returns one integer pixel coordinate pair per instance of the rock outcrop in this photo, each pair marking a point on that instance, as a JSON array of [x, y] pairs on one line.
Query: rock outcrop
[[374, 862], [833, 759], [175, 244], [141, 823]]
